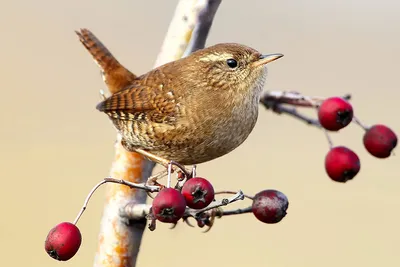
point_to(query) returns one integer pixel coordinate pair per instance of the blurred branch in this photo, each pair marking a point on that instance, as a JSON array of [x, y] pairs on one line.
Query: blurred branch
[[204, 23], [190, 25], [119, 241], [282, 102]]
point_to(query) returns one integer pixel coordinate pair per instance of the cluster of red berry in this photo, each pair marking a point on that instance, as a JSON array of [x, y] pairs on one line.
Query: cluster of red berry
[[169, 206], [341, 163], [269, 206]]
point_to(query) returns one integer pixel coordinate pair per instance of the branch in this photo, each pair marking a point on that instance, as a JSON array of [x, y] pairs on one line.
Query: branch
[[216, 204], [234, 212], [119, 242], [278, 102], [232, 193], [134, 212], [142, 186], [139, 212], [189, 18], [204, 23]]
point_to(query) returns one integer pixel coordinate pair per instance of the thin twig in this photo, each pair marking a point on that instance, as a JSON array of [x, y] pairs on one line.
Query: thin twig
[[359, 123], [234, 212], [278, 102], [215, 204], [143, 186], [293, 98], [135, 211], [232, 193], [291, 111]]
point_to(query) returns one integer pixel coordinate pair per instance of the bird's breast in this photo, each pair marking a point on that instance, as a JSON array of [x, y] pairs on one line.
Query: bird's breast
[[225, 127]]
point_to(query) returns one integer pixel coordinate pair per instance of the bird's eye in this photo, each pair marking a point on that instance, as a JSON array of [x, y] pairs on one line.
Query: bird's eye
[[232, 63]]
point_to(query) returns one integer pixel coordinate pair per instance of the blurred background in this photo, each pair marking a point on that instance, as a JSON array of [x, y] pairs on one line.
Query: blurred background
[[56, 145]]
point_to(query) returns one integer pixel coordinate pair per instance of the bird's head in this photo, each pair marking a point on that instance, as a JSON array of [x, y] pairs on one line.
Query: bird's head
[[230, 66]]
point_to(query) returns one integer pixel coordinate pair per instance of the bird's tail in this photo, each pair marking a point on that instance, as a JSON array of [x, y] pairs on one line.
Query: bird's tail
[[115, 75], [101, 55]]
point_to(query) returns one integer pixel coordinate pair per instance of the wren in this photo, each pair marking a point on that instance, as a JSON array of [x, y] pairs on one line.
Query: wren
[[191, 110]]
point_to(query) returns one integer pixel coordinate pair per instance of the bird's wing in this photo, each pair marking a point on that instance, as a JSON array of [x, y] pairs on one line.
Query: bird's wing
[[141, 102]]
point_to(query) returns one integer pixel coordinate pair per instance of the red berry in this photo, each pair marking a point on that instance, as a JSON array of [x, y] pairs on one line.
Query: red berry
[[380, 140], [169, 205], [342, 164], [63, 241], [269, 206], [335, 113], [198, 193]]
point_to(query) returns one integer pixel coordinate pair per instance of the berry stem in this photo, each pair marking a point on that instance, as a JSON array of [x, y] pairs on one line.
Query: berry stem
[[87, 200], [194, 168], [328, 137], [359, 123], [169, 175], [148, 188]]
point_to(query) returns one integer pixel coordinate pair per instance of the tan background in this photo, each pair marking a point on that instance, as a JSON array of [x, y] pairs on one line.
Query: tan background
[[56, 146]]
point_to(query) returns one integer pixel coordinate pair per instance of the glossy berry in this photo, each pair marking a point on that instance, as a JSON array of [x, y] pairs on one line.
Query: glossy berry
[[198, 193], [269, 206], [63, 241], [380, 140], [335, 113], [342, 164], [169, 205]]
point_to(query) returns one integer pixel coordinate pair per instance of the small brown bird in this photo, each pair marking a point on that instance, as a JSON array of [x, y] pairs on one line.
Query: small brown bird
[[191, 110]]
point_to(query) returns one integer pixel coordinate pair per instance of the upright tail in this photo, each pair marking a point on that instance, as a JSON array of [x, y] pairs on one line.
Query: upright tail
[[116, 76]]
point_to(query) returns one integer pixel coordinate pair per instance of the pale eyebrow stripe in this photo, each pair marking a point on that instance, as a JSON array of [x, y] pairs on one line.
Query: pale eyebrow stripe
[[215, 57]]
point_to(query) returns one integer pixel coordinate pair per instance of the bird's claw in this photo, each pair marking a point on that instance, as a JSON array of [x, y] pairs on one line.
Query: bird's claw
[[152, 219], [173, 226], [186, 220]]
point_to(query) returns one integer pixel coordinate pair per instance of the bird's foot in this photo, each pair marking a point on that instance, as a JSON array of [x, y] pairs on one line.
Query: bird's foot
[[103, 95]]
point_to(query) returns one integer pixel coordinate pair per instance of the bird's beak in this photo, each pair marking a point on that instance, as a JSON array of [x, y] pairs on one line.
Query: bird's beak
[[264, 59]]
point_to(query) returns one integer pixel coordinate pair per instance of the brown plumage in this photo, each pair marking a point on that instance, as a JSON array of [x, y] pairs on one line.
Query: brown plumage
[[194, 109], [114, 74]]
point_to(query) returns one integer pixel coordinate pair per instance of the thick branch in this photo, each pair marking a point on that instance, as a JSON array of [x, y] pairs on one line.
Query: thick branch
[[188, 18], [204, 22], [119, 242]]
